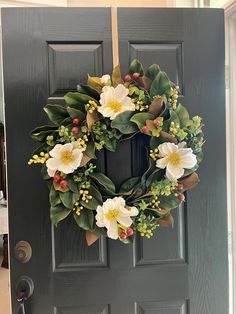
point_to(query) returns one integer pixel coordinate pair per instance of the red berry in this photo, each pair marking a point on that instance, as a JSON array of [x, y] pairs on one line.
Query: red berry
[[76, 121], [179, 186], [63, 184], [145, 129], [128, 78], [130, 231], [75, 130], [181, 197], [56, 178], [123, 236], [136, 75], [156, 123]]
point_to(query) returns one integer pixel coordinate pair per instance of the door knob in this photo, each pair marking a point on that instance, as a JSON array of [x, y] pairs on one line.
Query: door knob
[[24, 290], [23, 252]]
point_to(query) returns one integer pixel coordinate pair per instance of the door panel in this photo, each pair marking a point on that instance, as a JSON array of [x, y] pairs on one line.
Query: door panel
[[183, 270], [189, 45]]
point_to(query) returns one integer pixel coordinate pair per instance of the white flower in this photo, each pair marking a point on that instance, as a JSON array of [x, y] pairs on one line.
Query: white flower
[[105, 78], [175, 158], [112, 212], [65, 158], [114, 101]]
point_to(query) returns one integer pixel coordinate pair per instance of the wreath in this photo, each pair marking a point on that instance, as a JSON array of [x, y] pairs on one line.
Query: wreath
[[97, 117]]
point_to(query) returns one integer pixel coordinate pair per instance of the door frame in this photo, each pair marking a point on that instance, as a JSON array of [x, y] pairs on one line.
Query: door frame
[[230, 67]]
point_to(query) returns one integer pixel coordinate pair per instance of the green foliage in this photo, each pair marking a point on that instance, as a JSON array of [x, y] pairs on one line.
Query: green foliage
[[129, 185], [183, 115], [161, 85], [58, 213], [136, 66], [56, 113], [124, 123], [85, 220], [103, 181], [40, 134], [140, 118], [152, 71]]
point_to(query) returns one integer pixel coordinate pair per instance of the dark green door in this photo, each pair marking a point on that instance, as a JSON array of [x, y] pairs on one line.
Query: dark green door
[[181, 271]]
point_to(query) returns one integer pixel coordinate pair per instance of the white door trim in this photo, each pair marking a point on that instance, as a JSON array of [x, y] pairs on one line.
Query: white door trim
[[230, 25]]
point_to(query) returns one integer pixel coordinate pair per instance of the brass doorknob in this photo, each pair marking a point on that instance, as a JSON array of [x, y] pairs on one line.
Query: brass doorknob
[[23, 252]]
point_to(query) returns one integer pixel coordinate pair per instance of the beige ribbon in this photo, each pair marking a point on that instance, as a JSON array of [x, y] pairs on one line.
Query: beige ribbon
[[115, 45]]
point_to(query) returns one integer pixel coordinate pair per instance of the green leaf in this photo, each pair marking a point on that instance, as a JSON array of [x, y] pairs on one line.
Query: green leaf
[[173, 118], [156, 175], [75, 113], [129, 184], [123, 123], [110, 144], [85, 220], [44, 172], [77, 100], [116, 76], [103, 180], [90, 149], [56, 113], [95, 201], [136, 66], [85, 89], [95, 83], [58, 213], [161, 85], [67, 199], [169, 202], [72, 185], [54, 197], [40, 134], [183, 115], [140, 118], [152, 71]]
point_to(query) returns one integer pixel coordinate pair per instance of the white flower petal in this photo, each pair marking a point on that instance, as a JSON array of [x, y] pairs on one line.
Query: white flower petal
[[125, 221], [105, 78], [112, 231], [56, 150], [167, 148], [173, 172], [162, 162], [51, 172]]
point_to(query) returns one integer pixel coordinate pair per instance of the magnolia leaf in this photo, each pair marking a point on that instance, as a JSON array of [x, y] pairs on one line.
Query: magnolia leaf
[[183, 115], [91, 237], [161, 85], [136, 66], [92, 118], [75, 113], [169, 202], [57, 187], [129, 184], [90, 149], [141, 118], [116, 76], [72, 185], [157, 105], [40, 134], [190, 182], [123, 123], [77, 100], [145, 82], [54, 197], [173, 118], [44, 172], [85, 220], [66, 198], [168, 137], [166, 221], [152, 71], [85, 89], [58, 213], [85, 160], [95, 201], [95, 83], [56, 113], [103, 180]]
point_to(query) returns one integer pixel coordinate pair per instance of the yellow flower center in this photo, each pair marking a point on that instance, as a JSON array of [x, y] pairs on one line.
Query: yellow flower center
[[174, 159], [67, 156], [115, 105], [112, 214]]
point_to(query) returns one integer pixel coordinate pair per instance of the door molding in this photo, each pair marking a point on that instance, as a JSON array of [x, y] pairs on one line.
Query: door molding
[[230, 25]]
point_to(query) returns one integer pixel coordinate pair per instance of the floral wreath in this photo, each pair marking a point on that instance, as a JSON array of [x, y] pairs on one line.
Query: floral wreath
[[98, 116]]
